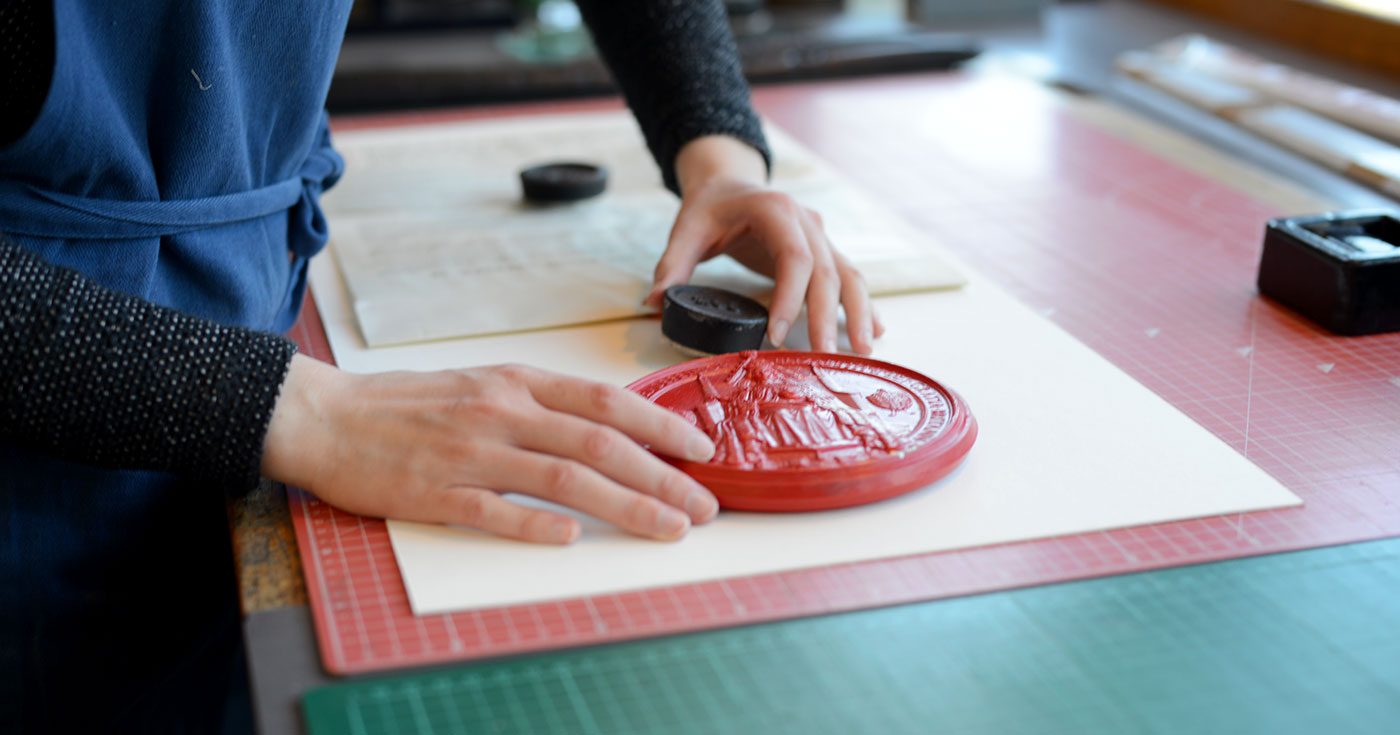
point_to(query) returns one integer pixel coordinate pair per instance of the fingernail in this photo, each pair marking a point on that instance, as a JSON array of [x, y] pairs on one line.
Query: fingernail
[[563, 531], [777, 331], [671, 523], [828, 345], [699, 448], [701, 506]]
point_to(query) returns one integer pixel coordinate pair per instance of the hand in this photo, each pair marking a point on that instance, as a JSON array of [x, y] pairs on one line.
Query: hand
[[442, 447], [727, 208]]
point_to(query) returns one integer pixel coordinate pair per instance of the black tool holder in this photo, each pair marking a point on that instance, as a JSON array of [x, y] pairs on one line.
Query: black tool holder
[[1341, 270]]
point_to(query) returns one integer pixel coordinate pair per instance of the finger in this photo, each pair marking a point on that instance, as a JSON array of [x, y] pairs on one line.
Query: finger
[[644, 421], [617, 457], [860, 314], [785, 238], [487, 511], [577, 486], [878, 323], [823, 291], [685, 248]]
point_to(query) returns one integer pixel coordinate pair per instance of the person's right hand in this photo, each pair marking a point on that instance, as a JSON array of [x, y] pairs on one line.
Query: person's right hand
[[441, 447]]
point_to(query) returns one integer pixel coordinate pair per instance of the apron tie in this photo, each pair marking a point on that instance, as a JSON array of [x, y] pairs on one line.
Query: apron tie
[[31, 211]]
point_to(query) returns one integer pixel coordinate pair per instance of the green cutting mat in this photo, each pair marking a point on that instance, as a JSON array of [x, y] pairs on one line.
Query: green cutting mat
[[1307, 642]]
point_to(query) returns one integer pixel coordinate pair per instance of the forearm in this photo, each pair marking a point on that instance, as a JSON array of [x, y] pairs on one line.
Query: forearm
[[302, 411], [677, 65], [718, 157], [99, 377]]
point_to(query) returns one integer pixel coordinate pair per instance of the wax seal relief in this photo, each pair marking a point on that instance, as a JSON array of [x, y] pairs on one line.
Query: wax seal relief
[[799, 431]]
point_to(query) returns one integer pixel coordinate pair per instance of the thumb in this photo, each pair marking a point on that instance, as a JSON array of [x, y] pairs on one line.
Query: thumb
[[684, 250]]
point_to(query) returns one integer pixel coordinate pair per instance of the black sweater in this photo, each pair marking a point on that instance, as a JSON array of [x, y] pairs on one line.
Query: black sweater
[[96, 376]]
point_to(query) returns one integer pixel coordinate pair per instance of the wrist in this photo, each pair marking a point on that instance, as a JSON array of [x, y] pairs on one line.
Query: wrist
[[291, 452], [712, 158]]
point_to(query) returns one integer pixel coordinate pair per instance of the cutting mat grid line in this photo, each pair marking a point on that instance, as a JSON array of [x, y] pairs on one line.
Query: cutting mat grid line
[[1195, 649], [1148, 263]]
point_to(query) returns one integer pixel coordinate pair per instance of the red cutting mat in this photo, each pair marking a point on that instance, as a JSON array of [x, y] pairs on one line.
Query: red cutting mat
[[1148, 263]]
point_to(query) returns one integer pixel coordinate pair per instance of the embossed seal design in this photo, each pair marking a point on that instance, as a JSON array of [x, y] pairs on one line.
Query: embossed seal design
[[890, 401], [807, 431], [766, 414]]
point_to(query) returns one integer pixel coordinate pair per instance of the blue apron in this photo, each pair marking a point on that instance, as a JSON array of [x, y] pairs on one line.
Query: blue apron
[[178, 157]]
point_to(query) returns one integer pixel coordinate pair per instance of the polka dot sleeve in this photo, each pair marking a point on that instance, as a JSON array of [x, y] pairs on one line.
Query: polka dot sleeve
[[91, 375], [678, 67]]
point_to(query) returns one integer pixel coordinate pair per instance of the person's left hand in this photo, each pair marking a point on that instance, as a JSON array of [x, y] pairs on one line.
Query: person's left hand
[[727, 209]]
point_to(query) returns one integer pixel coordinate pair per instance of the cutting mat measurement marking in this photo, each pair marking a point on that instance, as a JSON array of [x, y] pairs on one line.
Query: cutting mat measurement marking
[[1110, 239]]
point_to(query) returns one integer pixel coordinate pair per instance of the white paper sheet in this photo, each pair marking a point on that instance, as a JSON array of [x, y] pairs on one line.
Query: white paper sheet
[[1068, 444], [434, 241]]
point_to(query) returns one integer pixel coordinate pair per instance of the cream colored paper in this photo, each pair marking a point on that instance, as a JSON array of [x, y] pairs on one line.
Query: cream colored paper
[[1068, 444], [434, 241]]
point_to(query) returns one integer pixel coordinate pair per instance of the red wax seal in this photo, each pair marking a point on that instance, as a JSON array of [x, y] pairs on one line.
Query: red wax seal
[[798, 431]]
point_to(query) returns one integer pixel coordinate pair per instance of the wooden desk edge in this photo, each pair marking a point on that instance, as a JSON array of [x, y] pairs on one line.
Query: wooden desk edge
[[265, 552], [1365, 39]]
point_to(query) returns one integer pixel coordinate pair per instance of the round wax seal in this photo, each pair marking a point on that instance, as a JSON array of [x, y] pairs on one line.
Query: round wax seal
[[712, 321], [563, 182], [800, 431]]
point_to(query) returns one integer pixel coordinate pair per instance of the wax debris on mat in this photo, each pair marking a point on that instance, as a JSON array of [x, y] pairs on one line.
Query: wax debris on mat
[[801, 431]]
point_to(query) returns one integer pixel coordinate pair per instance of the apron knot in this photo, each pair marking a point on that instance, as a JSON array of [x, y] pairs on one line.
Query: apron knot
[[31, 211]]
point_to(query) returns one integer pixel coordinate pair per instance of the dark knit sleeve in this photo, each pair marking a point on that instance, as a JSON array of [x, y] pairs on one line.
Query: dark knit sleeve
[[677, 65], [98, 377]]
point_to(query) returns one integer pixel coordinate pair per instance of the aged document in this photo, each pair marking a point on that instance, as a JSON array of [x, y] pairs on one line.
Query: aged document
[[434, 240]]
